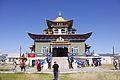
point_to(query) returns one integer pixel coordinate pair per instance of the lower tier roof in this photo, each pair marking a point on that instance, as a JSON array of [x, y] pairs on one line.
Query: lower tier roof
[[49, 37]]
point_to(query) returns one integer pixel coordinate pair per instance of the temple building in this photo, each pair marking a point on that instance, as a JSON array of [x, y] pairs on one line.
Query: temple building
[[59, 39]]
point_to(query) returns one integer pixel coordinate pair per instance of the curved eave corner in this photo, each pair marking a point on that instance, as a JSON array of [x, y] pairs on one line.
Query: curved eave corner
[[88, 35], [30, 35]]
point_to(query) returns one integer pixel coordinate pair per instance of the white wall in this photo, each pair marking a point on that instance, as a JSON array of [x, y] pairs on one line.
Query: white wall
[[29, 60], [107, 60], [12, 60]]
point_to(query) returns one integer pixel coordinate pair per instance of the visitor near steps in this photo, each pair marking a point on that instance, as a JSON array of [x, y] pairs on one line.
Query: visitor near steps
[[55, 70]]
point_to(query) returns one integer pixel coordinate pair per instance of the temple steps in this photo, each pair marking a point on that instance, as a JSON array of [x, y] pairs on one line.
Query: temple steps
[[61, 61]]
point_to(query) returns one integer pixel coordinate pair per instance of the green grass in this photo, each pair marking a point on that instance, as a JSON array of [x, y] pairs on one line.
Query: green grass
[[25, 76], [94, 75], [6, 69], [107, 66]]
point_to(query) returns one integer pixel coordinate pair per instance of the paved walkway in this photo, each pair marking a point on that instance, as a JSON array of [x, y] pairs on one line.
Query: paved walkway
[[86, 69]]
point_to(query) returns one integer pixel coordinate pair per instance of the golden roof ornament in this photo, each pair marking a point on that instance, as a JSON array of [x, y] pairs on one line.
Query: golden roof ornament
[[59, 14], [59, 18]]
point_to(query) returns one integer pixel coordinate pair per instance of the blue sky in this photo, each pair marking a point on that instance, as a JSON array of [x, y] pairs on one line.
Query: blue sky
[[17, 17]]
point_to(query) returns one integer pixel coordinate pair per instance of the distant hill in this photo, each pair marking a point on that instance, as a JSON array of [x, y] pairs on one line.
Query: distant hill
[[107, 54]]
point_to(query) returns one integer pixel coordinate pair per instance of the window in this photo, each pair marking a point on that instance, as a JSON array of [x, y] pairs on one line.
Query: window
[[62, 29], [56, 30], [75, 49], [44, 49]]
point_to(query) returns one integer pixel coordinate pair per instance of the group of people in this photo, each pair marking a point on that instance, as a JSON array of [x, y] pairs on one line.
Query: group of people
[[55, 66], [22, 66]]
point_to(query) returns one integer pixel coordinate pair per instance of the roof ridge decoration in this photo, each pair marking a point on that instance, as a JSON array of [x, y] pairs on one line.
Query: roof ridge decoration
[[59, 18], [59, 14]]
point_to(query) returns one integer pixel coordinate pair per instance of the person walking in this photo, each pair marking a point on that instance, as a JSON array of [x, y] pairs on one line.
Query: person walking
[[55, 70], [15, 66], [87, 62], [38, 65], [22, 65], [115, 64]]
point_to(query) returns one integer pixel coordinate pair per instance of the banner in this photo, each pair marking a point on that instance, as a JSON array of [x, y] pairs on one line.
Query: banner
[[31, 54]]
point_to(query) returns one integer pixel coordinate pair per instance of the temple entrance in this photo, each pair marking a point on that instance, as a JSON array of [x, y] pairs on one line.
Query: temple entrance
[[60, 52]]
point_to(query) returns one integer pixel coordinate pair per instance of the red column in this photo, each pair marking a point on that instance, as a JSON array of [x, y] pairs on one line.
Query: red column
[[85, 54]]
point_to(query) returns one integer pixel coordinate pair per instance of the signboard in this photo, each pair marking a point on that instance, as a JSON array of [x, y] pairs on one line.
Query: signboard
[[31, 54], [39, 54]]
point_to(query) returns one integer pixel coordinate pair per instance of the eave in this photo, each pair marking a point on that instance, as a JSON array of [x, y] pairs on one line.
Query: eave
[[49, 37]]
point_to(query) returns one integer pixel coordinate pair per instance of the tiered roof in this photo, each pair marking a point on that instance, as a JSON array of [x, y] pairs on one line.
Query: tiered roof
[[71, 37], [59, 22], [53, 23]]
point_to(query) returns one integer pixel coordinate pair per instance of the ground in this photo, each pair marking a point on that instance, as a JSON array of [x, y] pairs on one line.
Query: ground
[[94, 75], [104, 72]]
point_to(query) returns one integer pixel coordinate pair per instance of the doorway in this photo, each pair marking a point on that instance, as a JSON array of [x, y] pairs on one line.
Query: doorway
[[60, 52]]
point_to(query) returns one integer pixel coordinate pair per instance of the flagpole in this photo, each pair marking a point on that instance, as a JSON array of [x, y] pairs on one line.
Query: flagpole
[[20, 51], [113, 51]]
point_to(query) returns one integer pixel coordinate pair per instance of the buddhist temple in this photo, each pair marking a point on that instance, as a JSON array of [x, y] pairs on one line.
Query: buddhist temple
[[59, 38]]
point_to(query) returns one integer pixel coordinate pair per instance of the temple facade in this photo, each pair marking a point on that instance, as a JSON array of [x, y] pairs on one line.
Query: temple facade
[[59, 38]]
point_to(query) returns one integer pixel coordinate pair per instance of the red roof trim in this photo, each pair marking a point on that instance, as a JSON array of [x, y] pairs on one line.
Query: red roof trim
[[34, 36]]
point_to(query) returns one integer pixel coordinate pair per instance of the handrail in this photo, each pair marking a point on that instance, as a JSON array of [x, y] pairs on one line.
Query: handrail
[[71, 59], [49, 58]]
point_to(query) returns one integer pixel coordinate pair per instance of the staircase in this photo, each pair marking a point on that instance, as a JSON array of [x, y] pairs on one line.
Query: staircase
[[61, 61]]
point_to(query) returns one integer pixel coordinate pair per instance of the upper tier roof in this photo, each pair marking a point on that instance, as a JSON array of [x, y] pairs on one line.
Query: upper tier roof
[[59, 22], [68, 22], [71, 37]]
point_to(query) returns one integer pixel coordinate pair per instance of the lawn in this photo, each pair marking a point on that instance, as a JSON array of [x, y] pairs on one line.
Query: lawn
[[107, 66], [6, 67], [94, 75], [25, 76]]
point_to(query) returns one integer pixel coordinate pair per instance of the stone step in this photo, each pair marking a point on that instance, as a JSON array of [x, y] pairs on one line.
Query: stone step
[[61, 61]]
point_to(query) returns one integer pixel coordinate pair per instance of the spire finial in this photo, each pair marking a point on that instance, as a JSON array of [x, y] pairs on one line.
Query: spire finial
[[59, 14]]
